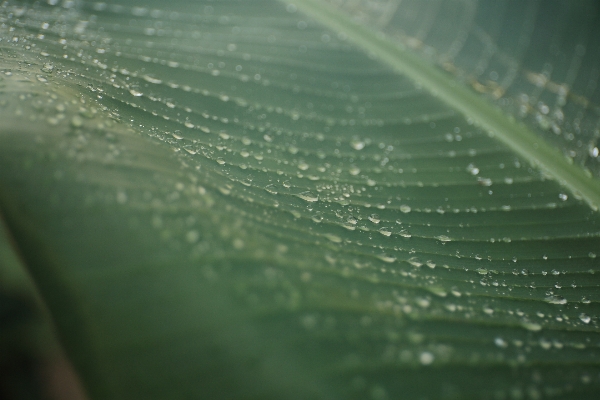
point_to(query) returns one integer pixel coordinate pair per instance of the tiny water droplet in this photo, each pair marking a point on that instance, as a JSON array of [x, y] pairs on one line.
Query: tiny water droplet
[[48, 68], [374, 218], [404, 208], [386, 258], [357, 144], [426, 358], [585, 318], [271, 189], [405, 234], [333, 238], [385, 231], [415, 262], [151, 79], [531, 326], [308, 196]]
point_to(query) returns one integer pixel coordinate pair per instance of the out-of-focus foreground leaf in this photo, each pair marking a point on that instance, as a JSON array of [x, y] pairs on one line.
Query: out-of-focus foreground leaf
[[228, 199]]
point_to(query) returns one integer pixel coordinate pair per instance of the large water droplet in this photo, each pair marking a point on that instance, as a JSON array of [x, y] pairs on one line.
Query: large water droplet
[[585, 318], [308, 196], [374, 218]]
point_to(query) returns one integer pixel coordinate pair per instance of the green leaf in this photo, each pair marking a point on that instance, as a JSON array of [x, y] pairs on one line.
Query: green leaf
[[233, 199]]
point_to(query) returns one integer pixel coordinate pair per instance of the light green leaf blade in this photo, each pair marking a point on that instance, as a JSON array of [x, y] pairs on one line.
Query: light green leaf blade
[[227, 199]]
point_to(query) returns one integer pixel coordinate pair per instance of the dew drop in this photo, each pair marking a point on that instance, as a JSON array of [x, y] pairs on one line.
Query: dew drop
[[585, 318], [531, 326], [500, 342], [135, 93], [271, 189], [426, 358], [308, 196], [404, 208], [357, 144], [386, 258], [385, 231], [415, 262], [150, 79], [48, 68], [374, 218], [556, 299], [333, 238], [405, 234]]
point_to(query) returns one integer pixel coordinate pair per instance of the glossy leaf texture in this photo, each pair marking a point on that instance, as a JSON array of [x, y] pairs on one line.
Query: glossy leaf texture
[[228, 199]]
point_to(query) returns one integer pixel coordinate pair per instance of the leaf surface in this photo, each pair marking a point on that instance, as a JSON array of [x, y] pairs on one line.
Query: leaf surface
[[228, 199]]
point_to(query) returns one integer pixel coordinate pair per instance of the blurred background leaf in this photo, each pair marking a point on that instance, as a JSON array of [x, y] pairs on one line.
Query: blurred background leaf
[[228, 199]]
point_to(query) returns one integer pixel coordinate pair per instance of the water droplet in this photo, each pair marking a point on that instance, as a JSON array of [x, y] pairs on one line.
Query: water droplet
[[545, 344], [386, 258], [150, 79], [48, 68], [585, 318], [220, 161], [426, 358], [271, 189], [556, 299], [374, 218], [437, 290], [357, 144], [385, 231], [333, 238], [135, 93], [443, 238], [405, 234], [472, 169], [531, 326], [308, 196], [415, 262], [77, 122], [354, 170], [404, 208], [500, 342]]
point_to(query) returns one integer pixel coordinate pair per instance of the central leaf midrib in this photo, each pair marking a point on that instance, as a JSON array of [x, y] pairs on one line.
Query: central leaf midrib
[[515, 135]]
